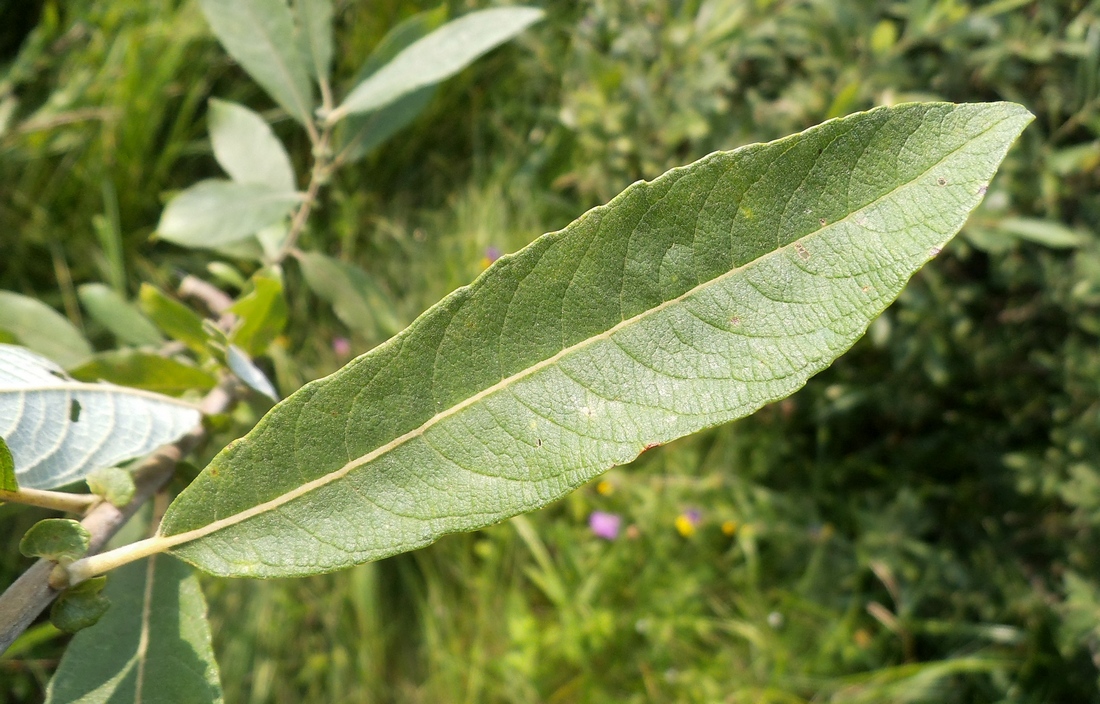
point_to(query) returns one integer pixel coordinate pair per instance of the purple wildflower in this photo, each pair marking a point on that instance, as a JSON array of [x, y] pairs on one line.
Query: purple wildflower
[[605, 525], [492, 253], [341, 346]]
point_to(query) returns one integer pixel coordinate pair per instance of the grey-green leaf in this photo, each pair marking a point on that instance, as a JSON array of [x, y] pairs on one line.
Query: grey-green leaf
[[438, 56], [214, 212], [315, 29], [59, 429], [246, 147], [685, 302], [249, 373], [153, 644], [118, 315], [356, 299], [41, 328], [361, 133], [259, 34]]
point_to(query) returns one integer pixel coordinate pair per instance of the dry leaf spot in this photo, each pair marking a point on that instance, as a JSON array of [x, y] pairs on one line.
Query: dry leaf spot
[[803, 253], [735, 321], [942, 181], [982, 189], [823, 222]]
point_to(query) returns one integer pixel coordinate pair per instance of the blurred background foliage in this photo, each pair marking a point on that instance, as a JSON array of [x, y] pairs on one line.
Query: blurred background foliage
[[917, 525]]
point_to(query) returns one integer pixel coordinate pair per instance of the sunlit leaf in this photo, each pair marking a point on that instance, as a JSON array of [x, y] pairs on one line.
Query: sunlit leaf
[[58, 539], [176, 320], [7, 469], [153, 644], [249, 373], [262, 314], [361, 133], [259, 34], [59, 429], [685, 302], [438, 56], [214, 213], [246, 148], [35, 325]]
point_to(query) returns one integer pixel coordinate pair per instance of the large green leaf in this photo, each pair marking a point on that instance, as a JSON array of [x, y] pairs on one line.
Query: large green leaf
[[153, 644], [688, 301], [438, 56], [259, 34], [59, 429]]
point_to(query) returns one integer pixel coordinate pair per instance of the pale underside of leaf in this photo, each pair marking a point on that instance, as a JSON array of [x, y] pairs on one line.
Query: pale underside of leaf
[[153, 645], [59, 430], [686, 302]]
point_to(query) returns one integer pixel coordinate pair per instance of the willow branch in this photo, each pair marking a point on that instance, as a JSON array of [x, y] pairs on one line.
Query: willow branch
[[29, 595]]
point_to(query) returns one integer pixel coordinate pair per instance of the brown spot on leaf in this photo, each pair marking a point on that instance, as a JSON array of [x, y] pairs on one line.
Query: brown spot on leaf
[[942, 181]]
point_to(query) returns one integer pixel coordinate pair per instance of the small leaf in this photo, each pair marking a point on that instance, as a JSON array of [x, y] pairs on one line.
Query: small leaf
[[61, 540], [7, 469], [118, 315], [1045, 232], [113, 484], [81, 606], [37, 326], [438, 56], [177, 320], [262, 313], [362, 133], [153, 644], [259, 34], [249, 373], [214, 213], [246, 147], [59, 429], [142, 370], [687, 301], [356, 299], [315, 27]]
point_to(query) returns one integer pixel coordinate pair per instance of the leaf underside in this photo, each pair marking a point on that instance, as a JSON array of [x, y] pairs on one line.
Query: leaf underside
[[59, 429], [685, 302]]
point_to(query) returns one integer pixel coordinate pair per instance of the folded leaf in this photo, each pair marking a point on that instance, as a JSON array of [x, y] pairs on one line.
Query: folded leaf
[[246, 148], [259, 34], [214, 212], [438, 56], [685, 302], [59, 429], [356, 299], [7, 469], [35, 325], [152, 645], [249, 373]]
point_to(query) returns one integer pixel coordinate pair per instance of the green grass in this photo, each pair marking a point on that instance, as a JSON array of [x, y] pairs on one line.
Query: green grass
[[916, 525]]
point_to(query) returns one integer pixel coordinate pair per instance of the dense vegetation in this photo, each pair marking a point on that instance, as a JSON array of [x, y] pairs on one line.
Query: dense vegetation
[[915, 525]]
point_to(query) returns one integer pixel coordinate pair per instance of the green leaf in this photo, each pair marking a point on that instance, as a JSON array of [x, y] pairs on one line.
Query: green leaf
[[246, 147], [356, 299], [61, 540], [249, 373], [142, 370], [59, 429], [176, 320], [214, 213], [118, 315], [315, 27], [153, 644], [37, 326], [81, 606], [438, 56], [259, 34], [1045, 232], [262, 313], [361, 133], [7, 469], [685, 302], [113, 484]]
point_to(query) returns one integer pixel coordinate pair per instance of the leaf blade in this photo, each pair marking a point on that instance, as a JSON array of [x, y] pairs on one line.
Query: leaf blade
[[259, 35], [438, 56], [161, 598], [685, 302], [59, 430], [42, 329], [246, 148], [214, 212]]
